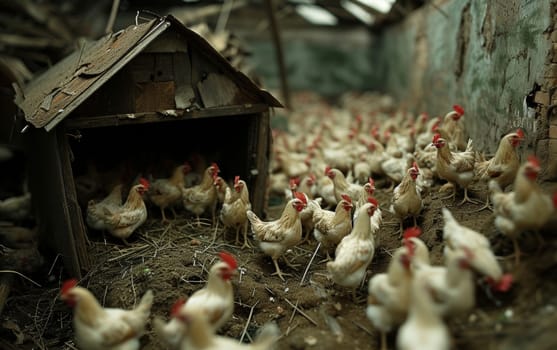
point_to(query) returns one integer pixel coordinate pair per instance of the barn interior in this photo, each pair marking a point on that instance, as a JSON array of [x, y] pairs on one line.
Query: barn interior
[[335, 66]]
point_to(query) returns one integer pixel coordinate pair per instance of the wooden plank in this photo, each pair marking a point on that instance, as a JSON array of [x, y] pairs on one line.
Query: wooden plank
[[261, 136], [154, 117], [218, 90], [154, 96], [48, 188], [75, 215], [184, 95]]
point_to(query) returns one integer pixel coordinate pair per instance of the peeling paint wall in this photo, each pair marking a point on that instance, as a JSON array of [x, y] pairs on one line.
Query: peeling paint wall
[[484, 55]]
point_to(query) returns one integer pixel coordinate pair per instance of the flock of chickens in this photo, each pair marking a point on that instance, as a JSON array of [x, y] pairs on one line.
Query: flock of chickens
[[328, 180]]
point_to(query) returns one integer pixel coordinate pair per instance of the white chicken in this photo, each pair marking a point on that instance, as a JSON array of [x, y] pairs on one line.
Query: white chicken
[[389, 293], [98, 328], [424, 328], [215, 300], [458, 237], [354, 252], [341, 185], [407, 200], [527, 207]]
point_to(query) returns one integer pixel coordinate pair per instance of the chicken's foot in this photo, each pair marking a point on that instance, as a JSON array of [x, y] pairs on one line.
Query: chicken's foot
[[487, 205], [291, 265], [468, 199], [279, 272]]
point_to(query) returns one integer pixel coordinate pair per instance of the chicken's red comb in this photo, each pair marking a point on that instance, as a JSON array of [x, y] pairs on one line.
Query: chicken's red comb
[[293, 183], [236, 179], [520, 133], [503, 285], [346, 198], [458, 109], [312, 177], [555, 200], [67, 285], [215, 167], [534, 160], [177, 306], [301, 197], [371, 182], [436, 137], [143, 181], [412, 232], [187, 167], [435, 126], [229, 260], [373, 201], [327, 169], [424, 116], [415, 166], [359, 118]]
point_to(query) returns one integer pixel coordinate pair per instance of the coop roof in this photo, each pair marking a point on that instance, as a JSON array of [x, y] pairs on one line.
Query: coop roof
[[52, 96]]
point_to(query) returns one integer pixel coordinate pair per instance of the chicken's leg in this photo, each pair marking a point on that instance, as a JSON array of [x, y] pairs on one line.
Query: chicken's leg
[[383, 341], [279, 272], [517, 251], [487, 205], [164, 219], [246, 240], [173, 212], [467, 199]]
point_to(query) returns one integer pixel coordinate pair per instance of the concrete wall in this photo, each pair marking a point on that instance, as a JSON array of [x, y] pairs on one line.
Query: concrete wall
[[484, 55]]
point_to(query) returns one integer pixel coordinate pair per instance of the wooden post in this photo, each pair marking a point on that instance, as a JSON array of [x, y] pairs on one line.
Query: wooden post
[[279, 52]]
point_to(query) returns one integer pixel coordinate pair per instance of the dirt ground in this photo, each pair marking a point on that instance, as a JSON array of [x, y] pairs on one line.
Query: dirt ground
[[172, 260]]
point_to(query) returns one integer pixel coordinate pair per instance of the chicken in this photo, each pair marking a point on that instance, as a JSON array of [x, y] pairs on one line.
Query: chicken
[[233, 211], [331, 227], [453, 128], [395, 168], [527, 207], [276, 236], [355, 251], [458, 237], [424, 328], [362, 169], [198, 335], [452, 286], [16, 208], [199, 198], [215, 300], [306, 215], [455, 167], [325, 188], [122, 221], [98, 328], [220, 186], [166, 193], [389, 293], [19, 248], [341, 185], [407, 200], [504, 164], [96, 211]]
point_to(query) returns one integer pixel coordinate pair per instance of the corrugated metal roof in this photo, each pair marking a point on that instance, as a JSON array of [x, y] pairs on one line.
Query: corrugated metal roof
[[52, 96]]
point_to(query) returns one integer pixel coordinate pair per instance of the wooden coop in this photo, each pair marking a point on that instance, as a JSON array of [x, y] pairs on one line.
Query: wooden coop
[[141, 100]]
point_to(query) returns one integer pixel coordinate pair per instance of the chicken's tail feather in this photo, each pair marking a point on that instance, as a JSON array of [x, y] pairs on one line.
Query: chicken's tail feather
[[146, 302]]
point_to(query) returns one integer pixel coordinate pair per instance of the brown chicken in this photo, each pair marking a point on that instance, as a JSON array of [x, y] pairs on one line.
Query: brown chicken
[[453, 128], [355, 251], [407, 200], [276, 236], [215, 300], [455, 167], [202, 197], [122, 221], [233, 211], [504, 164], [330, 227], [166, 193], [96, 210], [527, 207], [97, 328]]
